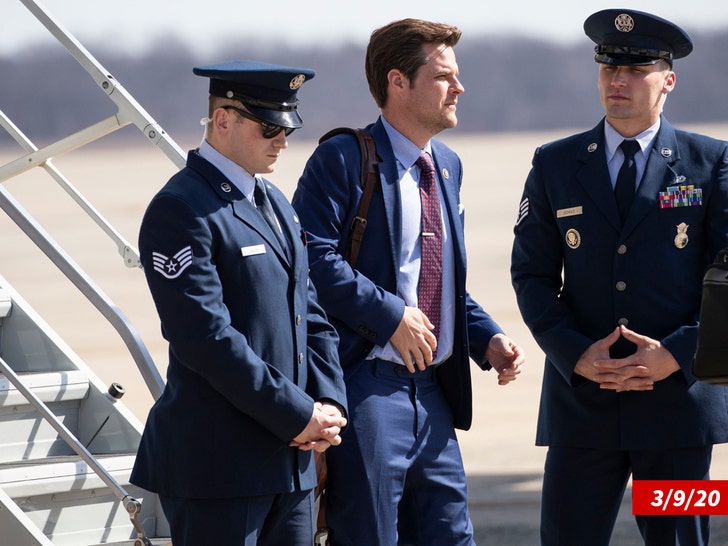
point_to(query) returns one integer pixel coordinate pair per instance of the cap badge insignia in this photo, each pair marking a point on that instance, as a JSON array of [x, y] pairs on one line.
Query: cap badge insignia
[[297, 82], [624, 23], [592, 147], [573, 238], [172, 267], [681, 239]]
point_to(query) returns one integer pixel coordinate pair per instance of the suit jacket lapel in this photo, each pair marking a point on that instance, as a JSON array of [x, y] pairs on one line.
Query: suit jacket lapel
[[449, 186], [389, 178]]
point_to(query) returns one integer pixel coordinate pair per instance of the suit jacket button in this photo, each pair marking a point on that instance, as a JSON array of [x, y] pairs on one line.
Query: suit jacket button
[[622, 249], [621, 286], [623, 322]]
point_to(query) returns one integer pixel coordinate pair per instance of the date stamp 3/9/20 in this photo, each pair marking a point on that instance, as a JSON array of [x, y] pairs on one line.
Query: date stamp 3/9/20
[[680, 497]]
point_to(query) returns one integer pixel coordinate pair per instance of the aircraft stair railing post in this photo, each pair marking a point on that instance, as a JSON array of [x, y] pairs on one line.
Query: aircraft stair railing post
[[126, 250], [131, 505], [130, 111], [88, 288]]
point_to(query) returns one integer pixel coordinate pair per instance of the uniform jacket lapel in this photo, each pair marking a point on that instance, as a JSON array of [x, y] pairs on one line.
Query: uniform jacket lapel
[[242, 208], [593, 175], [659, 174]]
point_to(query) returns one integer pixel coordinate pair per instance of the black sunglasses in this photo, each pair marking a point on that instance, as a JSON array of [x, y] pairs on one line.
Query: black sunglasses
[[270, 130]]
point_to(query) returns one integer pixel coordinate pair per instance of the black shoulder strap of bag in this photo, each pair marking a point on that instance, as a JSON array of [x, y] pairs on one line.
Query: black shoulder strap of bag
[[369, 182]]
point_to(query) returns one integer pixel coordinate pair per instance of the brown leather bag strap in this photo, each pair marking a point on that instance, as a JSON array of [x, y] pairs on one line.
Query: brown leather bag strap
[[369, 182]]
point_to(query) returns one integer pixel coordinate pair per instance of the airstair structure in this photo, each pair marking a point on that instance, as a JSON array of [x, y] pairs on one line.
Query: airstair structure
[[67, 443]]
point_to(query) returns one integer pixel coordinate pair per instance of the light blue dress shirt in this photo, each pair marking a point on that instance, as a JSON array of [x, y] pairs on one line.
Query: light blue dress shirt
[[408, 268], [615, 156]]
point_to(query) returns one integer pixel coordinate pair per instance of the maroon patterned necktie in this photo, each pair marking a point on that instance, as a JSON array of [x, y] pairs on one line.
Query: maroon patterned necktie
[[429, 289]]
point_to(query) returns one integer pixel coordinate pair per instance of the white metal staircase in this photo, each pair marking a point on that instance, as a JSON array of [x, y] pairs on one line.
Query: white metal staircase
[[67, 443], [63, 476]]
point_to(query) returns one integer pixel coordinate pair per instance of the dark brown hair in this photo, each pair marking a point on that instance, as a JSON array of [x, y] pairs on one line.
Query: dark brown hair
[[398, 45]]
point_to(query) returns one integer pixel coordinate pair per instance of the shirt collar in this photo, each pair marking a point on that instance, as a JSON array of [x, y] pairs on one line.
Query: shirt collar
[[613, 139], [238, 176], [404, 149]]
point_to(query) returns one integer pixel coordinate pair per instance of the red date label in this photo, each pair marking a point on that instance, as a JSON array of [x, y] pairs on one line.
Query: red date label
[[680, 497]]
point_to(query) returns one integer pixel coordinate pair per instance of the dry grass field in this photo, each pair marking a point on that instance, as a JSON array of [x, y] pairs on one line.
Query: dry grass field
[[502, 462]]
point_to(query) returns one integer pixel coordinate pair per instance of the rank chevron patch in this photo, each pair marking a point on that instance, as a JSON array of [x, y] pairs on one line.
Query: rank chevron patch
[[171, 268], [523, 209]]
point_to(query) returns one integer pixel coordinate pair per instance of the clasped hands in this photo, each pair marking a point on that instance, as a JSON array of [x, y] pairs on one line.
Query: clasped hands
[[651, 362], [323, 429]]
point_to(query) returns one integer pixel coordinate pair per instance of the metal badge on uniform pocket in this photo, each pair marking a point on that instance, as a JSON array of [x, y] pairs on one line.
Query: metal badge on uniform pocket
[[681, 239]]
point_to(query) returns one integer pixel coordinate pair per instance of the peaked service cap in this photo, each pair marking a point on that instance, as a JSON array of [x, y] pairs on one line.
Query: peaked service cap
[[630, 37], [267, 90]]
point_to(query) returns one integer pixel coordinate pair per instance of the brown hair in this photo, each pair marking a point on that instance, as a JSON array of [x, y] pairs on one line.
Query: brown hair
[[398, 45]]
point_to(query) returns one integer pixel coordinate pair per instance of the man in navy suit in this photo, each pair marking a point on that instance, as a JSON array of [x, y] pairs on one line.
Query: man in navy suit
[[398, 478], [609, 282], [253, 382]]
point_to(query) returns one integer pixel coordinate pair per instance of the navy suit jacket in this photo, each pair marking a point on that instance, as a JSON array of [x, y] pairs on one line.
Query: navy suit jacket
[[250, 349], [362, 303], [644, 275]]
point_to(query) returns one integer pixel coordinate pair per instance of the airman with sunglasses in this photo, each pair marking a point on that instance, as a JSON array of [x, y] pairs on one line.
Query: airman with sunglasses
[[254, 384]]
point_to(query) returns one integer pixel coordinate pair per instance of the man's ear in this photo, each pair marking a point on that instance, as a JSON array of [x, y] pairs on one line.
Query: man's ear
[[397, 80], [220, 118]]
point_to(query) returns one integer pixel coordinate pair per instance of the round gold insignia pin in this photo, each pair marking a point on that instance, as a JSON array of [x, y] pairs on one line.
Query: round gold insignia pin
[[573, 238], [681, 239], [624, 23], [445, 174], [297, 81]]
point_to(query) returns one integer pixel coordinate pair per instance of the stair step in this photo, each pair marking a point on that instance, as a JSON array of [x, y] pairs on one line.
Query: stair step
[[60, 475], [64, 499], [48, 386], [24, 434]]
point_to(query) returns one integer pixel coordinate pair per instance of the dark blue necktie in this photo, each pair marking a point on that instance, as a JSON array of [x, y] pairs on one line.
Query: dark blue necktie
[[266, 210], [627, 178]]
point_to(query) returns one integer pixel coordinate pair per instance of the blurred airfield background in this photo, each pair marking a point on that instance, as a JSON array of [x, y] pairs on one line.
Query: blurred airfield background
[[529, 79]]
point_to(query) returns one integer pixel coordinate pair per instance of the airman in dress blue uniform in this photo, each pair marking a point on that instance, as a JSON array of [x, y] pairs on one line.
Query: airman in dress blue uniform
[[253, 381], [613, 300]]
